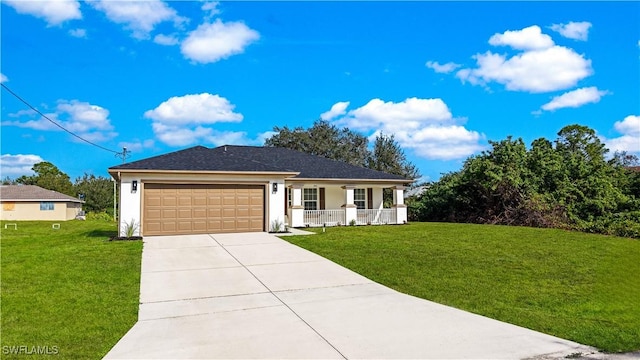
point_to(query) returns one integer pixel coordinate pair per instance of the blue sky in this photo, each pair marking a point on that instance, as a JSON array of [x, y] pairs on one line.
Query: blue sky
[[443, 77]]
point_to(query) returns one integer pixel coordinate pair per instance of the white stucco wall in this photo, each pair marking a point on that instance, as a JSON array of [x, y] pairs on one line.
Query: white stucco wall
[[276, 204], [130, 210]]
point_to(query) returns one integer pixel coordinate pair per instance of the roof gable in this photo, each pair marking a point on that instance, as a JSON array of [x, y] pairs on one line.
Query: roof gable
[[33, 193], [257, 159]]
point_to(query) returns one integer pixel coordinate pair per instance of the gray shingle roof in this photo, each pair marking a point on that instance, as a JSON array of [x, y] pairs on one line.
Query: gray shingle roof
[[258, 159], [32, 193]]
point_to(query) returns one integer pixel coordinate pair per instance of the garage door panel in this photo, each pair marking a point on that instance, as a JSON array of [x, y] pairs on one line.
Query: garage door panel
[[153, 214], [184, 213], [185, 226], [255, 212], [199, 213], [187, 209], [229, 225], [153, 201], [242, 212], [199, 226], [169, 200], [214, 226], [214, 213], [169, 226], [169, 213], [153, 226]]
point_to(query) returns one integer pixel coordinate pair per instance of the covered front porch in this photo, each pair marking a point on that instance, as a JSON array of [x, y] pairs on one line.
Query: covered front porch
[[315, 205]]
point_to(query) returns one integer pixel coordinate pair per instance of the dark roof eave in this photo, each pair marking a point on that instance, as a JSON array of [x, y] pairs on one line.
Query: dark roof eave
[[116, 171], [403, 181]]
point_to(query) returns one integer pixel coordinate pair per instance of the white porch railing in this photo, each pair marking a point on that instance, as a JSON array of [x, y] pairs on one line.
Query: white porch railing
[[324, 217], [314, 218], [379, 216]]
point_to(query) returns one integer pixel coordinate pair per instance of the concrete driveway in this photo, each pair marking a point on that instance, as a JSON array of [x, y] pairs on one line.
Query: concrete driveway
[[255, 296]]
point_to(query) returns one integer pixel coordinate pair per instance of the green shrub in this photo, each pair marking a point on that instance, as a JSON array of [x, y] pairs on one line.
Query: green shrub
[[102, 216]]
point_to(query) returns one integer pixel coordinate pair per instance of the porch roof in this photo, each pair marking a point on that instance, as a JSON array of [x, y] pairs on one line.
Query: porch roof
[[231, 158]]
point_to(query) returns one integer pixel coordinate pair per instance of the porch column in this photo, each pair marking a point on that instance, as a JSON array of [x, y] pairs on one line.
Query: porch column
[[350, 209], [398, 204], [297, 210]]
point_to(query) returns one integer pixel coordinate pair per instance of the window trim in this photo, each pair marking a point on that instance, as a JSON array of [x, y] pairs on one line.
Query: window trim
[[311, 200], [360, 203], [47, 206]]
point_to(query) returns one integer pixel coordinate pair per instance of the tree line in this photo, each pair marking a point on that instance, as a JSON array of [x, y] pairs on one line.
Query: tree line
[[569, 183]]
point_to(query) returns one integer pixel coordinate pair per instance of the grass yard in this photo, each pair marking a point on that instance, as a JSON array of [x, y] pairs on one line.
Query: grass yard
[[70, 291], [576, 286]]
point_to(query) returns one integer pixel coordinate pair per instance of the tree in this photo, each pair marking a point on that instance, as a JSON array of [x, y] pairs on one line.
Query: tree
[[9, 181], [388, 156], [571, 185], [323, 139], [96, 191], [48, 176]]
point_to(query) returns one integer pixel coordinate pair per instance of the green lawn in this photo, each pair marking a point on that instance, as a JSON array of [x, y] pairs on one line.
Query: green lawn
[[576, 286], [68, 291]]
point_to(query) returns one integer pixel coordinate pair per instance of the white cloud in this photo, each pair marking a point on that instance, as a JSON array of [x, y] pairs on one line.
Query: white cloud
[[3, 78], [79, 33], [183, 136], [88, 121], [211, 9], [630, 125], [337, 109], [202, 108], [530, 38], [425, 126], [137, 145], [540, 66], [573, 30], [167, 40], [182, 120], [262, 137], [139, 17], [215, 41], [575, 98], [551, 69], [442, 68], [630, 139], [18, 165], [54, 12]]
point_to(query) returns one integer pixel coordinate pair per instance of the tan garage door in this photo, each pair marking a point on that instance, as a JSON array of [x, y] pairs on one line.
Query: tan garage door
[[171, 209]]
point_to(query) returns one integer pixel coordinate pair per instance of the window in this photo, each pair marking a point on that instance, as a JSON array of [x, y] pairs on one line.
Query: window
[[360, 198], [290, 197], [310, 199], [46, 205]]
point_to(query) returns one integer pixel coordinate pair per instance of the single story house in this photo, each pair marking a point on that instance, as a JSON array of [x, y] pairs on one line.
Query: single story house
[[251, 188], [31, 202]]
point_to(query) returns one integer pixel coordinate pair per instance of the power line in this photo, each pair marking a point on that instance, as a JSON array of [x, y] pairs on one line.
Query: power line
[[122, 154]]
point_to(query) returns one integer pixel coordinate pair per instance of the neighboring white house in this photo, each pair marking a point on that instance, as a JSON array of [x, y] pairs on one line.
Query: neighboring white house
[[248, 188], [30, 202]]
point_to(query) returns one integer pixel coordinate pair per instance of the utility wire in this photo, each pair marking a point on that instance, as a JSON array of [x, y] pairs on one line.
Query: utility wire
[[122, 154]]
